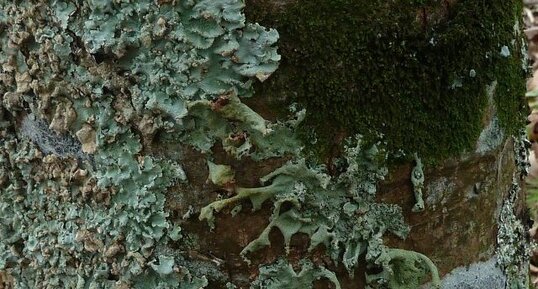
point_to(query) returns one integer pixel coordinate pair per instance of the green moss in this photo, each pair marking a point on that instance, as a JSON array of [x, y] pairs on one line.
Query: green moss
[[414, 71], [511, 107]]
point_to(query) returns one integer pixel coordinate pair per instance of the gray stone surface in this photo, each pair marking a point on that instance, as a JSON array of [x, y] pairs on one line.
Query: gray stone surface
[[481, 275]]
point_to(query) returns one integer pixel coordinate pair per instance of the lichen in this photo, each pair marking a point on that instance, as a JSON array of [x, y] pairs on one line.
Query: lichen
[[417, 179], [512, 252], [56, 213], [207, 123], [282, 275], [340, 214], [91, 90], [512, 248], [491, 137], [84, 88], [480, 275], [220, 175], [407, 268]]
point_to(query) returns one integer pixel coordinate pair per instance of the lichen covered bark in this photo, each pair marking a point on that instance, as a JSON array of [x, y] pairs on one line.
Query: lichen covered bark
[[135, 153]]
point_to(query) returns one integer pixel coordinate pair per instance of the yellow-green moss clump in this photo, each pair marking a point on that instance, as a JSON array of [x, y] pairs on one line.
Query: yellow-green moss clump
[[414, 72]]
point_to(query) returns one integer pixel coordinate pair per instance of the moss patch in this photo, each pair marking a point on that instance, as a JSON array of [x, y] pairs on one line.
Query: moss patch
[[414, 71]]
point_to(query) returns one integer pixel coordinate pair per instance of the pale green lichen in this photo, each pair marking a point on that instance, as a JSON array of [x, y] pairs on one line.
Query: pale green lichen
[[282, 275], [114, 75], [417, 179], [491, 137], [340, 213], [220, 175], [232, 109], [512, 247], [111, 74], [512, 251], [406, 270], [245, 134], [75, 216]]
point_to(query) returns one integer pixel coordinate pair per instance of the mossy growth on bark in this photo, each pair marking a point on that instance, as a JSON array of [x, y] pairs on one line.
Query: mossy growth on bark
[[413, 73], [94, 95]]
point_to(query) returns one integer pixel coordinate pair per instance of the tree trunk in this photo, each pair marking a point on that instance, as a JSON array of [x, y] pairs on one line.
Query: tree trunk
[[156, 144]]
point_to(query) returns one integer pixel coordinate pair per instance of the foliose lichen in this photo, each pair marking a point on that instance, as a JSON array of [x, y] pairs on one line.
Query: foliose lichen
[[282, 275], [513, 250], [88, 88], [417, 179], [407, 268], [339, 213], [84, 88]]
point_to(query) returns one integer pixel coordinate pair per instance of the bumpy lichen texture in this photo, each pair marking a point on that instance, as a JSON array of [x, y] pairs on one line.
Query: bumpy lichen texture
[[417, 179], [512, 247], [84, 87], [282, 275], [91, 90], [412, 71], [340, 214]]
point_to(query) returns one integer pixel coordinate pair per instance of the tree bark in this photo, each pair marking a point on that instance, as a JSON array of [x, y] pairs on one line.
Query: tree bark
[[157, 145]]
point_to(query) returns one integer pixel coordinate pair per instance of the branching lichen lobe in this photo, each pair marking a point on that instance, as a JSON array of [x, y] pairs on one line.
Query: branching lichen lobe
[[111, 74], [119, 80]]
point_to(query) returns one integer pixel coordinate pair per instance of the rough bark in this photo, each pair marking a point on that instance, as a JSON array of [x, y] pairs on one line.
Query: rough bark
[[135, 152]]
